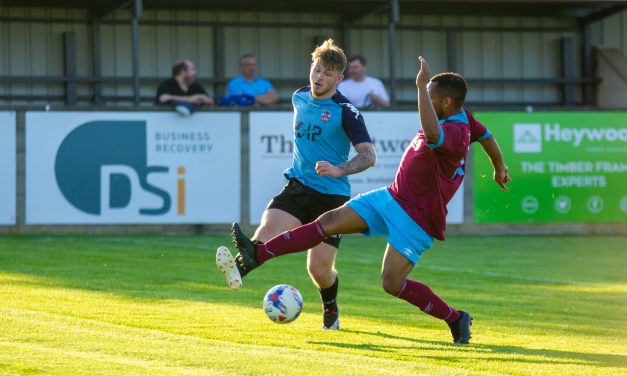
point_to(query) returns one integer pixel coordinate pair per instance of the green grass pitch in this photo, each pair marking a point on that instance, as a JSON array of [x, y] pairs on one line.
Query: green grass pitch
[[156, 305]]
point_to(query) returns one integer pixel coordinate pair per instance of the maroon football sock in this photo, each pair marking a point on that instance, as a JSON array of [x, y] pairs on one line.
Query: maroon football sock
[[423, 297], [296, 240]]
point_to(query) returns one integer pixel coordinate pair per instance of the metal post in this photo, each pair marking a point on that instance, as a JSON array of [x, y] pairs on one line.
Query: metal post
[[20, 186], [69, 65], [586, 52], [245, 171], [451, 50], [346, 40], [568, 71], [218, 61], [96, 63], [394, 18], [137, 12]]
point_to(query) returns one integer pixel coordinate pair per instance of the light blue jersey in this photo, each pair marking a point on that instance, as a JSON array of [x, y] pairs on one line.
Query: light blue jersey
[[258, 86], [323, 131]]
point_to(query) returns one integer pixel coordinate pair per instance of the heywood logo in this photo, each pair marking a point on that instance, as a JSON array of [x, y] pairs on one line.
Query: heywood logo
[[527, 138], [555, 132], [102, 166]]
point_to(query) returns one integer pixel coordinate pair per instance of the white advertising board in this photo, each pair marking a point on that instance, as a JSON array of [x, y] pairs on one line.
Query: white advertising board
[[7, 168], [132, 167], [271, 144]]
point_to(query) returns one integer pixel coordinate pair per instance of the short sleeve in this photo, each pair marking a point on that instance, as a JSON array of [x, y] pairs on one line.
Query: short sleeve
[[451, 138], [268, 86], [380, 91], [354, 124], [163, 88], [234, 87], [478, 131], [231, 88]]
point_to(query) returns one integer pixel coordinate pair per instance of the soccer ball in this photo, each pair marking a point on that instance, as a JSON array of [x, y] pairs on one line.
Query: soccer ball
[[283, 304]]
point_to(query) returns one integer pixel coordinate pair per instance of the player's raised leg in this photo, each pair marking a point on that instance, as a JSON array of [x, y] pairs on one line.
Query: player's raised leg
[[273, 222], [396, 268], [343, 220], [321, 268]]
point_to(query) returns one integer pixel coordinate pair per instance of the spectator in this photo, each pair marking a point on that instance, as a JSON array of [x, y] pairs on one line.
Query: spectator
[[248, 85], [363, 91], [182, 91]]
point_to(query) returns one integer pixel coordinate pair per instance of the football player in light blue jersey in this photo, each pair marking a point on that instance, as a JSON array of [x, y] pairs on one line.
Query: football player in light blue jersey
[[325, 125]]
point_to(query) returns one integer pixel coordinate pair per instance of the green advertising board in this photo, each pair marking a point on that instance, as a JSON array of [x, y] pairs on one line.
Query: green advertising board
[[565, 167]]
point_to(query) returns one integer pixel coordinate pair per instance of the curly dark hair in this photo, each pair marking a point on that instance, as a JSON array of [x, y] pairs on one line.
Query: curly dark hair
[[451, 85]]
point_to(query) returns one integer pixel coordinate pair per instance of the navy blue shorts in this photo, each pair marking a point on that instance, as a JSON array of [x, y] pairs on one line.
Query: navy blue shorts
[[307, 204]]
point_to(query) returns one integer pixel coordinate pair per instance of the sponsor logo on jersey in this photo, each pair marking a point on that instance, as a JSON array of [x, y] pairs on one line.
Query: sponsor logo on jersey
[[352, 108]]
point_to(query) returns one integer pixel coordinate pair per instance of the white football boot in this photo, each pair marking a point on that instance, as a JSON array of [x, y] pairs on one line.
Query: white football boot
[[226, 263]]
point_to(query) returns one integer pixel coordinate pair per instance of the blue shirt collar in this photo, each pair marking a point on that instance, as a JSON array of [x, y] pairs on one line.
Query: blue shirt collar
[[457, 118]]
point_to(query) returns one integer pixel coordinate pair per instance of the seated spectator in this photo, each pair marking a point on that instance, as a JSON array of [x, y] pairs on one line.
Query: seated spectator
[[246, 84], [363, 91], [182, 91]]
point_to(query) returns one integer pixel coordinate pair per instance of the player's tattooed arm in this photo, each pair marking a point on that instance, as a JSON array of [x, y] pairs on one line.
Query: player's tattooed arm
[[366, 157]]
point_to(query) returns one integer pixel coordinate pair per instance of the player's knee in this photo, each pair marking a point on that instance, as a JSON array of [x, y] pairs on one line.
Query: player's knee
[[392, 284], [266, 232], [328, 222], [320, 271]]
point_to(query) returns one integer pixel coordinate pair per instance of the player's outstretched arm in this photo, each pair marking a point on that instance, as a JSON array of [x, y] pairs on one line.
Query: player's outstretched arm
[[428, 118], [501, 173], [366, 157]]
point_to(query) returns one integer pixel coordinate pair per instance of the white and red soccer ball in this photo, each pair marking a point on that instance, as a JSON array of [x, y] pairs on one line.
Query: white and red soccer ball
[[283, 304]]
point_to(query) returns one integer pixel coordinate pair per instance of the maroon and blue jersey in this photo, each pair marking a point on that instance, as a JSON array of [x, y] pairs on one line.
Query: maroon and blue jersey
[[430, 174]]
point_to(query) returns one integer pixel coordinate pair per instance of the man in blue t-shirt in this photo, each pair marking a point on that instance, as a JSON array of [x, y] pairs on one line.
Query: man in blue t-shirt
[[247, 84], [325, 125]]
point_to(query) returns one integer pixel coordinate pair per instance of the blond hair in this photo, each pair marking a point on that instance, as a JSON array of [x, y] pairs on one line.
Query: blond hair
[[331, 56]]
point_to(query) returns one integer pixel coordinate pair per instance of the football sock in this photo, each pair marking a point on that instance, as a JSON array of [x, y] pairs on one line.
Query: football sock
[[328, 295], [423, 297], [296, 240]]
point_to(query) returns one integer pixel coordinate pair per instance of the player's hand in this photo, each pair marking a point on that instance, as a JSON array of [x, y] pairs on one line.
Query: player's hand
[[324, 168], [501, 176], [422, 79]]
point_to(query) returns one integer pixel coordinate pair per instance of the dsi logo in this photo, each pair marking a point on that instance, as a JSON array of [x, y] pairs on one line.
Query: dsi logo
[[527, 138], [101, 166]]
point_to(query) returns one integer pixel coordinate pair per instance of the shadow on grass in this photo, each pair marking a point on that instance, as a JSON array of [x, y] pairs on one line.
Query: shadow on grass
[[183, 268], [144, 268], [492, 352]]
